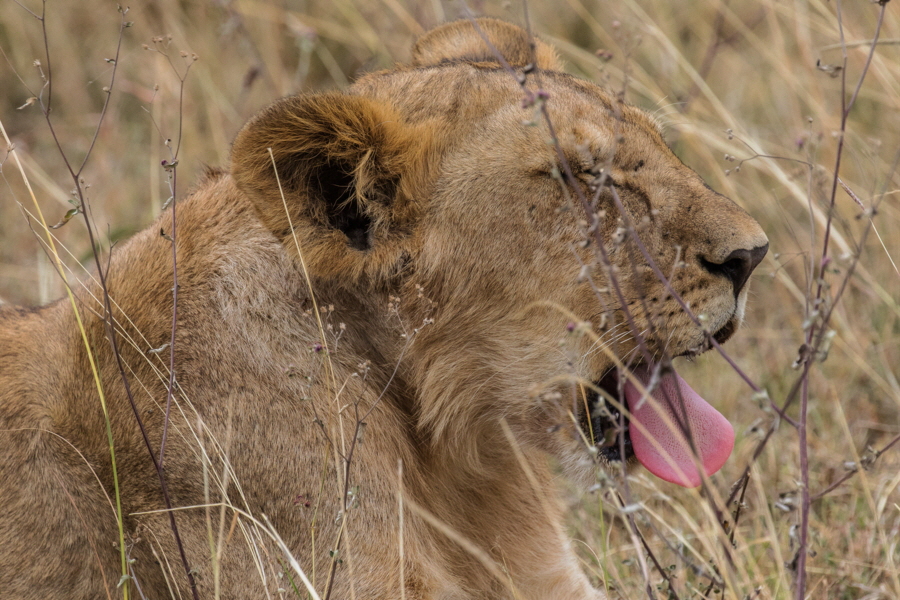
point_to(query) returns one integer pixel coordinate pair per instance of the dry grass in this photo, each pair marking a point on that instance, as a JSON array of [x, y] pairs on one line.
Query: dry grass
[[702, 68]]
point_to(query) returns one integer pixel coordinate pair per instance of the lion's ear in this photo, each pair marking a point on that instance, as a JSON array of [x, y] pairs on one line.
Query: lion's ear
[[337, 173], [463, 41]]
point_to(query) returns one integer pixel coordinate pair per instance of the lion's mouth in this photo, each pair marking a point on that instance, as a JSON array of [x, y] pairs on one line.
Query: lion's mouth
[[604, 423], [653, 415]]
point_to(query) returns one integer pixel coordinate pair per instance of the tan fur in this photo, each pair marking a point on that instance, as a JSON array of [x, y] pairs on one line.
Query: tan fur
[[444, 259]]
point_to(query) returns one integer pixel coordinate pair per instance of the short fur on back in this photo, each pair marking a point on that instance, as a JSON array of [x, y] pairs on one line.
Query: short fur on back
[[388, 300]]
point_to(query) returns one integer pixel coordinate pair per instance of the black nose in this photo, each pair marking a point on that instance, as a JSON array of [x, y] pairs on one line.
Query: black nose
[[737, 266]]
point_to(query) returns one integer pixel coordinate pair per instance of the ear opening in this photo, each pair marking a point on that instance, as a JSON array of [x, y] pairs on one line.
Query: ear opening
[[343, 212]]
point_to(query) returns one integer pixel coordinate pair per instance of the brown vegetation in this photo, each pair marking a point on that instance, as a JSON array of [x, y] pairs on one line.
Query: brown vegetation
[[728, 80]]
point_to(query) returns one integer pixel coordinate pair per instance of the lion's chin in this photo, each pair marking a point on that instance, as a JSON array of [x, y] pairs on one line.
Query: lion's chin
[[727, 330], [721, 335]]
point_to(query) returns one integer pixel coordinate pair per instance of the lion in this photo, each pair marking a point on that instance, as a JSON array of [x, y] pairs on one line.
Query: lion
[[401, 310]]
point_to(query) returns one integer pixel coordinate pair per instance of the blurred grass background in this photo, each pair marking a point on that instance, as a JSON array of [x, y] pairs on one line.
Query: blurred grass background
[[702, 68]]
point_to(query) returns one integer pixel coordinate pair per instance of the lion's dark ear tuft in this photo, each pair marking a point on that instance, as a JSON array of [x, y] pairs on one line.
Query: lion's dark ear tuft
[[340, 172], [463, 41]]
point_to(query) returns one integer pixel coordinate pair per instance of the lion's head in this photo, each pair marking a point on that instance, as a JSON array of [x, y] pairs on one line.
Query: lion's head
[[443, 184]]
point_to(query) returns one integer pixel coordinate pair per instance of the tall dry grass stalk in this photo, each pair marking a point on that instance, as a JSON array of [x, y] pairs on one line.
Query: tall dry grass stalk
[[751, 94]]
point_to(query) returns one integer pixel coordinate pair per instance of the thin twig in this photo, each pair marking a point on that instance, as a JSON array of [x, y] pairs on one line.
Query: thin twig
[[172, 168], [849, 474], [817, 331], [348, 460], [672, 593], [102, 274]]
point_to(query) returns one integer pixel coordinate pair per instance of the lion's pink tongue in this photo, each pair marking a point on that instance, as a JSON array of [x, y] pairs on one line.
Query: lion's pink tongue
[[670, 458]]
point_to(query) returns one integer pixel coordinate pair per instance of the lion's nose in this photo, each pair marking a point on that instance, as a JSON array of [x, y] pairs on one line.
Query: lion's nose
[[737, 266]]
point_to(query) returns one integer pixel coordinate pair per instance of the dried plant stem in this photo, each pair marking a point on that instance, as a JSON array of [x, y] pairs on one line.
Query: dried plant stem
[[88, 351], [171, 167], [400, 532], [803, 534], [849, 474], [659, 568], [815, 335], [107, 316], [91, 361]]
